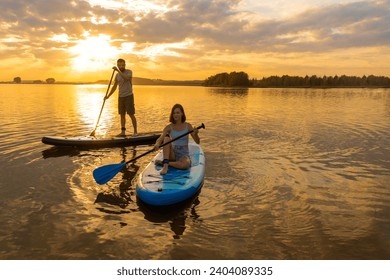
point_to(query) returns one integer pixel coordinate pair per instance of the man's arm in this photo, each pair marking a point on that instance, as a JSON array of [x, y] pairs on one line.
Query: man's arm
[[112, 89], [126, 76]]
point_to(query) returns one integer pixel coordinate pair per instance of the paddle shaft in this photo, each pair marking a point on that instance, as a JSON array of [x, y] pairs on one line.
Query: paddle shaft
[[104, 101], [162, 145]]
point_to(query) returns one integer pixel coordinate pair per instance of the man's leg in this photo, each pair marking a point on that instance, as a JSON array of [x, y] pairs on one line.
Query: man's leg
[[123, 124], [134, 121]]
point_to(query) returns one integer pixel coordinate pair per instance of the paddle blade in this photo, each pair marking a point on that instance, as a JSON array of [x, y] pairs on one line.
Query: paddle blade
[[105, 173]]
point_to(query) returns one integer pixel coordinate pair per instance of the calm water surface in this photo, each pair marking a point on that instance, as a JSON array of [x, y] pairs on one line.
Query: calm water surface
[[291, 174]]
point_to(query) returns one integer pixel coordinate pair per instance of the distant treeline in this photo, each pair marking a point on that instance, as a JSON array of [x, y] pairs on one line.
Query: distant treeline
[[18, 80], [233, 79], [325, 81], [241, 79]]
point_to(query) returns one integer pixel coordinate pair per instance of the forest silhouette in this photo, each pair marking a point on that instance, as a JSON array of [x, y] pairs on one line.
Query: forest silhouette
[[241, 79]]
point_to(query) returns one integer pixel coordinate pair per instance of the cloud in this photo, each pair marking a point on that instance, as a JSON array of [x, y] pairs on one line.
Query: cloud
[[189, 31], [361, 24], [219, 25], [367, 24]]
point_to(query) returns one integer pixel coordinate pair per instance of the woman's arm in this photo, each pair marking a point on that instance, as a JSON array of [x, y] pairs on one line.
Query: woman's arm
[[194, 134], [160, 139]]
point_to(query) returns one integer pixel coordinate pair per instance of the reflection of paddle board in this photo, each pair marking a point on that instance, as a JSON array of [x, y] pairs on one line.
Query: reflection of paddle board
[[174, 187], [89, 141]]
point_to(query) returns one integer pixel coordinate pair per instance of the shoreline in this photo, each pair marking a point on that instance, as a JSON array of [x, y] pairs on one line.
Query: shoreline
[[178, 83]]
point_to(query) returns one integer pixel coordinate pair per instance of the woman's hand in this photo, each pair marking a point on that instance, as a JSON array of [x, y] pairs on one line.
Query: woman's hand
[[195, 135], [196, 130]]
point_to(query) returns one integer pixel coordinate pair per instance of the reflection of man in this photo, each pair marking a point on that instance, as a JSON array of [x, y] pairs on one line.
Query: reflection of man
[[125, 97]]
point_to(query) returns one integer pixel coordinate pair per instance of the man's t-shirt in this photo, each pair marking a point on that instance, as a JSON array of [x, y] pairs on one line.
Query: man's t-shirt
[[125, 86]]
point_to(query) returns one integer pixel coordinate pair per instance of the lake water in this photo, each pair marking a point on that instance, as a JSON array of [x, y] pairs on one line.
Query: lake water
[[290, 174]]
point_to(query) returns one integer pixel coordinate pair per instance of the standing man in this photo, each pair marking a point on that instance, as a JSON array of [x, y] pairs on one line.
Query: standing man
[[126, 97]]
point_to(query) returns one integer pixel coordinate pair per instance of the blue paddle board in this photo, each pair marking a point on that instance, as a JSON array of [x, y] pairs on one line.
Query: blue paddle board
[[174, 187]]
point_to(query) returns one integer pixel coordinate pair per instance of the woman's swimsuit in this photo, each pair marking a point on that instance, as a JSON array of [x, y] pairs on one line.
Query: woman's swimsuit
[[180, 146]]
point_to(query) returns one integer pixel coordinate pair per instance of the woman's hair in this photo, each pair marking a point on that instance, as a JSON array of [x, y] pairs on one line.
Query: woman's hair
[[183, 117]]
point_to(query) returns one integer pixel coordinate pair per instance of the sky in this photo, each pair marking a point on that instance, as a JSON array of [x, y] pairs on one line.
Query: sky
[[80, 41]]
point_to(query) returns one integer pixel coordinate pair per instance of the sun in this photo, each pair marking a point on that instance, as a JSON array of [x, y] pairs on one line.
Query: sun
[[93, 53]]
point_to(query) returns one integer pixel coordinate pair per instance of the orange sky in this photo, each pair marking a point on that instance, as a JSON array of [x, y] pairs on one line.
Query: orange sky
[[189, 39]]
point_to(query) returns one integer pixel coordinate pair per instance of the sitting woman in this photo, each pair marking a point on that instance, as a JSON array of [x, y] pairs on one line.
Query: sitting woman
[[176, 154]]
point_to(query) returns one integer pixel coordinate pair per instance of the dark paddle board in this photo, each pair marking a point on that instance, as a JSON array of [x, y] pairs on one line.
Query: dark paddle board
[[91, 141]]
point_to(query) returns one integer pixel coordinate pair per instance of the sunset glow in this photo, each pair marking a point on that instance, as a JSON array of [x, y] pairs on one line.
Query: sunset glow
[[187, 40], [93, 53]]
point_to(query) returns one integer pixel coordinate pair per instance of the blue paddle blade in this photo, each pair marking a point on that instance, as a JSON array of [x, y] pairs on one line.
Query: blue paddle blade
[[105, 173]]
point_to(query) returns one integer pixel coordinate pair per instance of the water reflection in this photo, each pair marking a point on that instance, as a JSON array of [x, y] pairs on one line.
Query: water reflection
[[121, 196], [175, 215], [55, 151], [89, 100], [229, 91]]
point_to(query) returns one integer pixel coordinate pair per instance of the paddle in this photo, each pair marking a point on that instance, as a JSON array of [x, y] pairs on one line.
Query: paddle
[[104, 101], [105, 173]]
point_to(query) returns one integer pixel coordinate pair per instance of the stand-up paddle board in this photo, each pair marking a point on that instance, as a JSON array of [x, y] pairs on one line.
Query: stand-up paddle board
[[174, 187], [92, 141]]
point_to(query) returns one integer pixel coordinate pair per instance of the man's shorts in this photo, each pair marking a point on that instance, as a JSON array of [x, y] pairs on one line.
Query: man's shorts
[[126, 105]]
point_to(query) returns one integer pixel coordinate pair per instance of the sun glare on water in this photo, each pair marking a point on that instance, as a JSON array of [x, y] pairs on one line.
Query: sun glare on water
[[93, 53]]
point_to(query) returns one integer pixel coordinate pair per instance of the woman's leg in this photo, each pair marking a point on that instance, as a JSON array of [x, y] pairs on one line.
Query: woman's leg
[[167, 155], [183, 163]]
